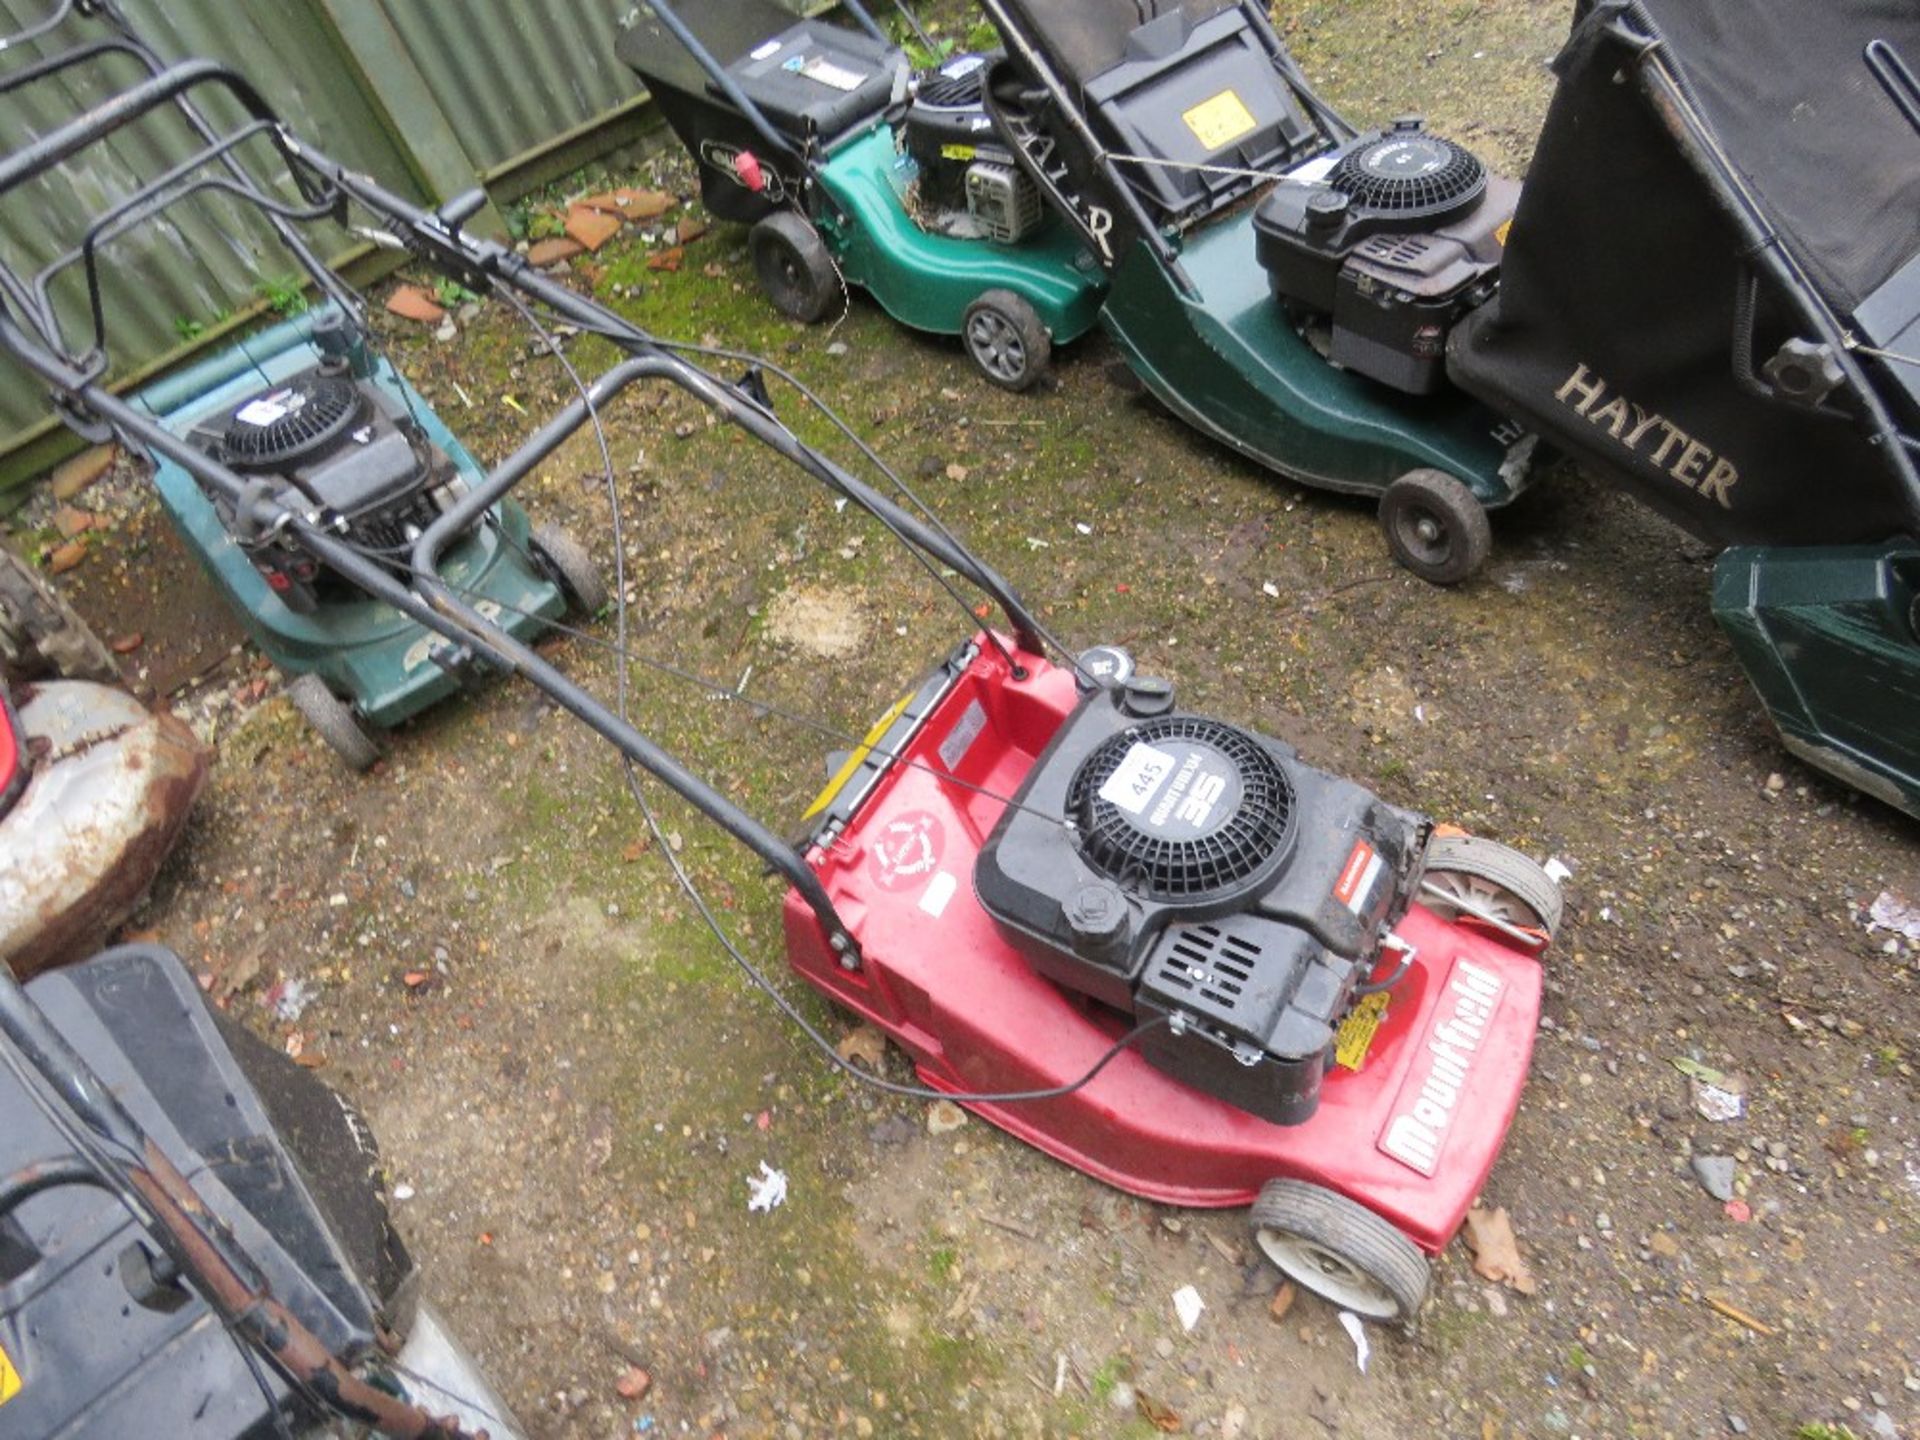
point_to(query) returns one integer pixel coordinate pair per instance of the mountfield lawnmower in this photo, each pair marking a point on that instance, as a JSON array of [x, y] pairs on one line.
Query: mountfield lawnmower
[[1280, 281], [1712, 294], [193, 1236], [854, 169], [1154, 944]]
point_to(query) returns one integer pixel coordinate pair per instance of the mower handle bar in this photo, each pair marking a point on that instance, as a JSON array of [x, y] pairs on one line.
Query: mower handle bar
[[729, 87]]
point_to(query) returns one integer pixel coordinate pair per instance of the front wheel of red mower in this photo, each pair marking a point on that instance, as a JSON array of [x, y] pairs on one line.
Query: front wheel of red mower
[[565, 561], [1470, 877], [334, 722], [793, 266], [1341, 1251], [1435, 527]]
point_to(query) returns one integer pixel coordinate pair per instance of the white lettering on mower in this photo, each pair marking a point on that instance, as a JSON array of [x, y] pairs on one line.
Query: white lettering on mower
[[1672, 449], [1425, 1109]]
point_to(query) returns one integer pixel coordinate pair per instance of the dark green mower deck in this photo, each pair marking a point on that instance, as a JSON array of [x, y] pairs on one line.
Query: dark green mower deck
[[1830, 637], [1228, 362]]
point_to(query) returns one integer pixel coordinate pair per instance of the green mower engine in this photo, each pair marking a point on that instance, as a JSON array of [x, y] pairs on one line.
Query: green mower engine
[[1376, 248]]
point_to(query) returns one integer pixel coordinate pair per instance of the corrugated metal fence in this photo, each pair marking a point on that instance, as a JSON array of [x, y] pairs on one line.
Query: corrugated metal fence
[[426, 94]]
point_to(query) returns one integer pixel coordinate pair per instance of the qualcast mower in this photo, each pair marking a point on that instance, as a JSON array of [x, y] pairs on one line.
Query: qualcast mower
[[855, 170], [306, 411], [1280, 281], [1712, 294], [193, 1235], [1157, 945], [306, 407]]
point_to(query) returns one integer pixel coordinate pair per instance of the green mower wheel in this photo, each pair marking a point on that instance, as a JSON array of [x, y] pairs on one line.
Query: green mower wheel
[[1005, 338], [1435, 527], [793, 266]]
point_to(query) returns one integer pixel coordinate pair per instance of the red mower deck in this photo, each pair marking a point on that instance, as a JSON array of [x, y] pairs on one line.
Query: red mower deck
[[1411, 1133]]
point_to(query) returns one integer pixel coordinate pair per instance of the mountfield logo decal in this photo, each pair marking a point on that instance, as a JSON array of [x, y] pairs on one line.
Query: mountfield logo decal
[[1429, 1099], [1650, 437]]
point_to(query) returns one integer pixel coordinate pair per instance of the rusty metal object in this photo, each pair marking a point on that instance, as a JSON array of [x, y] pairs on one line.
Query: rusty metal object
[[110, 789], [268, 1324]]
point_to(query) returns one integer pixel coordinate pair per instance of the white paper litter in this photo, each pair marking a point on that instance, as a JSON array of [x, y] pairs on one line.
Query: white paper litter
[[403, 1191], [767, 1189], [1892, 911], [1350, 1323], [1558, 870], [1270, 590], [1187, 1304]]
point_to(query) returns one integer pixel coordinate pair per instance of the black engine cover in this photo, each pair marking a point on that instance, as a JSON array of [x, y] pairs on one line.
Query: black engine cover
[[1206, 874]]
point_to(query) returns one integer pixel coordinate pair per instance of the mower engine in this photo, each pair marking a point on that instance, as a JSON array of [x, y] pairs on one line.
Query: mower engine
[[1172, 865], [968, 179], [344, 447], [1390, 238]]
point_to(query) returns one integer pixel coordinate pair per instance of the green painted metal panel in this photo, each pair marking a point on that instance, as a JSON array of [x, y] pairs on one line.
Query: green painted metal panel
[[206, 257]]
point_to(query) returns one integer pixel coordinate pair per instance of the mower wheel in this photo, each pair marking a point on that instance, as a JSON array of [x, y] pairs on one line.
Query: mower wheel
[[1435, 527], [333, 721], [793, 266], [564, 560], [1341, 1251], [1006, 340], [1490, 878]]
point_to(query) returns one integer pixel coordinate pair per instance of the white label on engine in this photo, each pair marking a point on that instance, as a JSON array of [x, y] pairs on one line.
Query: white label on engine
[[827, 73], [268, 408], [761, 52], [1136, 779], [1314, 170], [939, 891]]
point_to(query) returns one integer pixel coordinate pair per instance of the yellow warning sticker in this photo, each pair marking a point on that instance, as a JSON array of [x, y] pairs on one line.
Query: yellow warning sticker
[[9, 1378], [1500, 232], [957, 152], [1355, 1036], [1219, 121]]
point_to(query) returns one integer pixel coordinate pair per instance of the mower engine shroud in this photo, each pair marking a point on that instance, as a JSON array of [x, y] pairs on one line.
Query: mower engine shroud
[[1202, 873], [1392, 237], [1408, 1123]]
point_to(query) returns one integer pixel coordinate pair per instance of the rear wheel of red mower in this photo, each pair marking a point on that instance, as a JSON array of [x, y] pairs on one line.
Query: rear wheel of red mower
[[793, 266], [333, 721], [1468, 874], [565, 561], [1341, 1251], [1435, 527], [1006, 340]]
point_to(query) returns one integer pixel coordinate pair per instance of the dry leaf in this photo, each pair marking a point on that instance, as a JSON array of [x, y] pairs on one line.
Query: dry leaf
[[1158, 1413], [1496, 1254], [956, 471], [668, 260], [634, 1384], [865, 1044], [1282, 1301]]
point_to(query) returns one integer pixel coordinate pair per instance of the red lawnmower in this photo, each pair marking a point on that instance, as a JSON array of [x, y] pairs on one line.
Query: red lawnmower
[[1226, 940], [1161, 948]]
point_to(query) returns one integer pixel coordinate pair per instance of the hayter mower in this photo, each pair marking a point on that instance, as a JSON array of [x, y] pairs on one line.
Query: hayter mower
[[853, 169], [1280, 281], [1155, 945], [305, 411], [1712, 296]]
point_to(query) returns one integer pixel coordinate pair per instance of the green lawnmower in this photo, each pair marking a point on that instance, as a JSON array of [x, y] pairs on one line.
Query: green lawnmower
[[853, 170]]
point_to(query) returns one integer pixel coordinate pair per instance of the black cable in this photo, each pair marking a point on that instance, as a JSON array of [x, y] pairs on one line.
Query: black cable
[[692, 890], [833, 417]]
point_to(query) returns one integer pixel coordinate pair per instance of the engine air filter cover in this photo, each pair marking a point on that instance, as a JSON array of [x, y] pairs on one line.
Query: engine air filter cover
[[280, 427], [1181, 806]]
